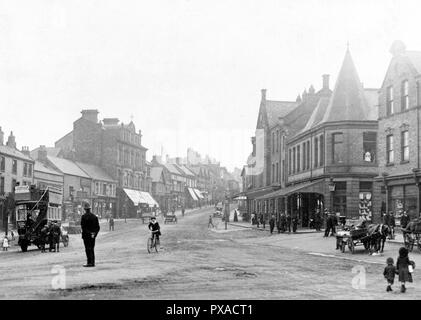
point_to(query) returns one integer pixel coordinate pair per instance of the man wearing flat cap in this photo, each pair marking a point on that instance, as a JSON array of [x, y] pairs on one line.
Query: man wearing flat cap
[[90, 229]]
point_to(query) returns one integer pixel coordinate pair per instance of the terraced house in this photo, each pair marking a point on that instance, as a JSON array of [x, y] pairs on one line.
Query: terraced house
[[399, 133]]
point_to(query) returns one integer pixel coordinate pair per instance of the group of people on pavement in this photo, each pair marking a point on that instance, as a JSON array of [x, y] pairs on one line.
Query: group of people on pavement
[[284, 223], [50, 234]]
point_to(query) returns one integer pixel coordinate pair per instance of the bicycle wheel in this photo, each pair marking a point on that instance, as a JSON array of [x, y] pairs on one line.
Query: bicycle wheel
[[155, 244], [149, 245]]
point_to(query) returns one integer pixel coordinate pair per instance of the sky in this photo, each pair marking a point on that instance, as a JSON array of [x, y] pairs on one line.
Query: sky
[[188, 72]]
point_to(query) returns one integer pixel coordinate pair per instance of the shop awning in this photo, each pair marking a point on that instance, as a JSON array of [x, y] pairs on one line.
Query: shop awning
[[254, 194], [192, 194], [306, 187], [141, 197], [198, 194]]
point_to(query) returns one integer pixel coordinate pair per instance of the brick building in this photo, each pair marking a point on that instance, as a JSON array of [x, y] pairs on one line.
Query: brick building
[[114, 146], [399, 133], [332, 160]]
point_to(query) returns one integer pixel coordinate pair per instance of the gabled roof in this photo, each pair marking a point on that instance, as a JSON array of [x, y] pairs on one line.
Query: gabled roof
[[415, 58], [156, 173], [95, 172], [185, 170], [67, 167], [348, 101], [41, 167], [12, 152], [277, 109], [172, 169]]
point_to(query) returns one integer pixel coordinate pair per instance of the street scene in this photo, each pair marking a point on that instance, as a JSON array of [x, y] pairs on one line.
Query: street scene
[[186, 150]]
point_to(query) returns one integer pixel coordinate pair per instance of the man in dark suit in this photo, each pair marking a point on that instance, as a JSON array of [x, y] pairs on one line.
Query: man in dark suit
[[90, 229]]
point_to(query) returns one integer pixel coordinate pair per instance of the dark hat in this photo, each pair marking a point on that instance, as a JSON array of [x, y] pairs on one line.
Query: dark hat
[[86, 205], [153, 218], [403, 252]]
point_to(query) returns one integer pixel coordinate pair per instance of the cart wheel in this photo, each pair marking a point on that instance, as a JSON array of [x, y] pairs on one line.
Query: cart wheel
[[351, 246]]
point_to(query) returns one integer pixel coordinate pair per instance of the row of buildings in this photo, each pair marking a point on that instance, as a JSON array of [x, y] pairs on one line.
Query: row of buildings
[[104, 163], [352, 150]]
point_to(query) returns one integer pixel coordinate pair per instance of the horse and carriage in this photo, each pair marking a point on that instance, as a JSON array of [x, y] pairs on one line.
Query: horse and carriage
[[357, 232]]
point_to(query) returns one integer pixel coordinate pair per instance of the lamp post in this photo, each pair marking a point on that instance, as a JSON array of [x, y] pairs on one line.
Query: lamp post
[[384, 175]]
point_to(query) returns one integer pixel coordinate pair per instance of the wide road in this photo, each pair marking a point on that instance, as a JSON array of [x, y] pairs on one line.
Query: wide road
[[198, 263]]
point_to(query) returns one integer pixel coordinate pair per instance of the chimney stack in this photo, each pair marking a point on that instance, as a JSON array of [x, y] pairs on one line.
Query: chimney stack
[[11, 141], [25, 151], [1, 137], [90, 115], [42, 154], [263, 94], [325, 82]]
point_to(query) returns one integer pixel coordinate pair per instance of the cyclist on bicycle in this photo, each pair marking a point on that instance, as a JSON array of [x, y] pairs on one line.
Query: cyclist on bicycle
[[155, 228]]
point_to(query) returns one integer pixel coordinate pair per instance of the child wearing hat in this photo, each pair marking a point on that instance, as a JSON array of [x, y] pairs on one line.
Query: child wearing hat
[[389, 273]]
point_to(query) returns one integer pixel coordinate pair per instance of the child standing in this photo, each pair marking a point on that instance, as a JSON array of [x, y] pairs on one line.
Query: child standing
[[402, 268], [389, 273], [5, 243]]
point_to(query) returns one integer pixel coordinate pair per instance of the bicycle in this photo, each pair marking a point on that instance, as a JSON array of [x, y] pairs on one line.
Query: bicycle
[[152, 244]]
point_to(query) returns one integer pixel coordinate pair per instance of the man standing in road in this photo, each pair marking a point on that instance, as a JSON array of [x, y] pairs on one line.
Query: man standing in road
[[210, 223], [404, 220], [111, 223], [183, 211], [90, 229]]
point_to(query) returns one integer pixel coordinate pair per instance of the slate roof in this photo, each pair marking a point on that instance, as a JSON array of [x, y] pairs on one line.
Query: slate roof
[[51, 151], [171, 168], [67, 167], [95, 172], [277, 109], [348, 101], [317, 114], [156, 173], [41, 167], [415, 58], [185, 170], [12, 152]]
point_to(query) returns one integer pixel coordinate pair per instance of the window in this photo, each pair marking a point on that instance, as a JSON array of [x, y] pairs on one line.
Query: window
[[14, 183], [277, 140], [294, 158], [304, 156], [322, 150], [289, 162], [337, 148], [405, 95], [316, 152], [273, 142], [30, 170], [283, 170], [2, 164], [277, 171], [273, 172], [14, 166], [308, 154], [104, 189], [25, 169], [389, 102], [389, 149], [405, 146], [298, 158], [283, 142], [369, 146], [1, 185]]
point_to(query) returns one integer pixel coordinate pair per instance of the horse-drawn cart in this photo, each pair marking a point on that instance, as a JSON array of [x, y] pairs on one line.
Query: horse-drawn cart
[[354, 233], [170, 218]]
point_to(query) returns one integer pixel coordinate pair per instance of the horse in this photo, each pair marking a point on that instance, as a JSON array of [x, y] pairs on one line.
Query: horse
[[377, 235]]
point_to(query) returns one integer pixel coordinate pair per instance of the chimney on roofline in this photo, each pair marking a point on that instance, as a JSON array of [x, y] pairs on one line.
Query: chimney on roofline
[[42, 154], [90, 115], [263, 94], [325, 82], [11, 141], [25, 151]]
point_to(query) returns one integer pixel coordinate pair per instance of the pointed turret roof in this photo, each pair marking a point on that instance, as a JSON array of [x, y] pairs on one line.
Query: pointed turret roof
[[348, 101]]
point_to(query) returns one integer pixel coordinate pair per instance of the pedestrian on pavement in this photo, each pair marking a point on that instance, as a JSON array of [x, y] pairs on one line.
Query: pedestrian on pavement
[[56, 234], [173, 210], [258, 220], [235, 215], [210, 223], [294, 224], [262, 220], [334, 224], [389, 273], [328, 225], [405, 220], [288, 220], [5, 243], [392, 225], [404, 268], [90, 229], [272, 223], [44, 237], [183, 210], [283, 222], [318, 220], [111, 223]]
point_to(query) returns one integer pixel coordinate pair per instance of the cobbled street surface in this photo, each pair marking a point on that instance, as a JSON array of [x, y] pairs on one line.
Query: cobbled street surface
[[198, 263]]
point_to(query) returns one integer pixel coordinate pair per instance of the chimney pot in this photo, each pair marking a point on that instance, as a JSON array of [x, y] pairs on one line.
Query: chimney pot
[[263, 94], [90, 115], [325, 81]]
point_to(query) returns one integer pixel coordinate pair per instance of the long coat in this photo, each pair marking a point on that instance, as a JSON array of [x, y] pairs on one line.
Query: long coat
[[90, 225], [402, 268]]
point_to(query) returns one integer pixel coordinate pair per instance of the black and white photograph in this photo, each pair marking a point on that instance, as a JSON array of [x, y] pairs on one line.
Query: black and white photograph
[[212, 151]]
